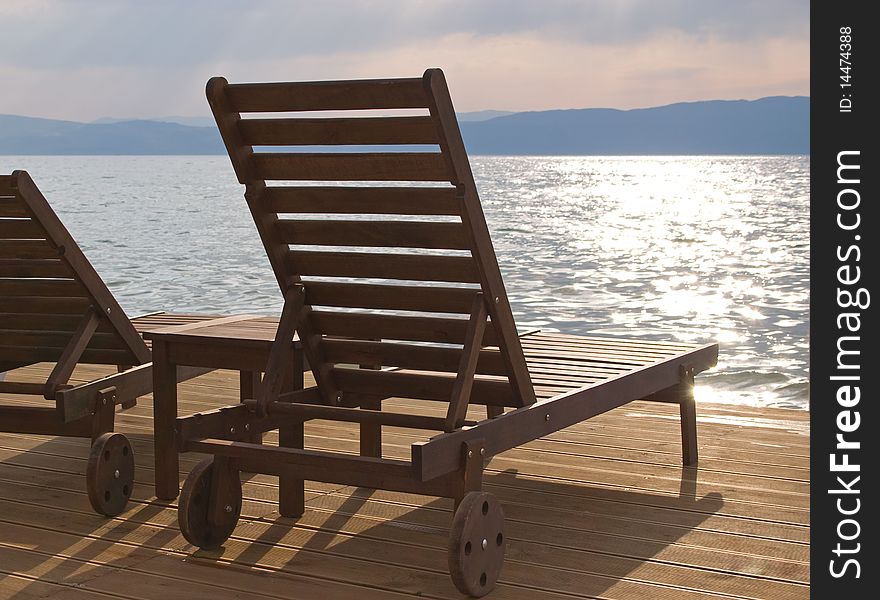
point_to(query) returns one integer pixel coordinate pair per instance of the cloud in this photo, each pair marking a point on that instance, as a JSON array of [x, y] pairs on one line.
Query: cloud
[[131, 58], [167, 33]]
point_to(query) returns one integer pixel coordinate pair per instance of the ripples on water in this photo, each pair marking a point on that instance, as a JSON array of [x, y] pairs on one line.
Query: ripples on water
[[697, 249]]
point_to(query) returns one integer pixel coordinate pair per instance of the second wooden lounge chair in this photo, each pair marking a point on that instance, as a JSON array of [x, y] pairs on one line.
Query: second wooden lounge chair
[[55, 308], [420, 300]]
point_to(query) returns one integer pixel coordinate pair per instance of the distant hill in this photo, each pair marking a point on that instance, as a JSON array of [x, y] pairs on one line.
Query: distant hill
[[774, 125], [29, 135], [482, 115]]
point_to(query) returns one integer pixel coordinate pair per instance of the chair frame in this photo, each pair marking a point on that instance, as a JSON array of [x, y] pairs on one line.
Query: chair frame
[[47, 273], [451, 463]]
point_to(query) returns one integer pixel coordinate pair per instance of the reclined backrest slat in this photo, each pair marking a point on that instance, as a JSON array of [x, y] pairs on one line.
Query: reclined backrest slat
[[421, 357], [367, 326], [27, 267], [360, 131], [27, 249], [337, 166], [439, 299], [362, 200], [21, 229], [365, 265], [374, 233], [327, 95]]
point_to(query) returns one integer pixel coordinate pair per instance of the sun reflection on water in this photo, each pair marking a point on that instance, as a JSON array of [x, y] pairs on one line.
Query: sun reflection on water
[[695, 248]]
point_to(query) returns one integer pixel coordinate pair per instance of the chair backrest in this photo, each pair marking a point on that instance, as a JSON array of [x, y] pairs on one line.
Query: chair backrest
[[388, 268], [48, 287]]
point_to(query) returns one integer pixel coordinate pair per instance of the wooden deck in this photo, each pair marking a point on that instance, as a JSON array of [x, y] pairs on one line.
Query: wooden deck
[[599, 510]]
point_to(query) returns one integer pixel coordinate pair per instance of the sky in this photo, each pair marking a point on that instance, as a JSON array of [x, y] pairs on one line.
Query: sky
[[87, 59]]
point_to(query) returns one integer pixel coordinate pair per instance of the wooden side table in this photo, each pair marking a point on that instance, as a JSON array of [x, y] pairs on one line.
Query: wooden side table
[[241, 343]]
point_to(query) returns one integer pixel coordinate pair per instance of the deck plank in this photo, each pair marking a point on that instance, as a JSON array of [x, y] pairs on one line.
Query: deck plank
[[599, 510]]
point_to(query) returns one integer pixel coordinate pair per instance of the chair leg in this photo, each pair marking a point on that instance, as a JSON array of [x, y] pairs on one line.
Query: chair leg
[[164, 418], [291, 491], [249, 386], [471, 471], [371, 433], [688, 412], [291, 434], [105, 413], [126, 402]]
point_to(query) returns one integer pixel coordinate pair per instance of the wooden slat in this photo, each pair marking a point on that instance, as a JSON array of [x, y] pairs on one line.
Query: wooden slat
[[43, 305], [409, 356], [21, 229], [387, 234], [343, 131], [390, 297], [415, 267], [55, 339], [26, 267], [378, 326], [10, 206], [351, 415], [22, 387], [340, 166], [327, 95], [31, 354], [420, 386], [27, 249], [362, 200], [35, 321], [49, 287], [40, 420]]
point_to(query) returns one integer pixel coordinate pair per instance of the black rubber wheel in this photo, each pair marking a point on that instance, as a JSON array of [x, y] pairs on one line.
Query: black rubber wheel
[[110, 474], [192, 511], [477, 544]]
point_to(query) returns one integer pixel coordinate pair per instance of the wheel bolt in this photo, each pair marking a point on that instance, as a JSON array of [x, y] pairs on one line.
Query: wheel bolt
[[116, 474], [484, 543], [229, 510]]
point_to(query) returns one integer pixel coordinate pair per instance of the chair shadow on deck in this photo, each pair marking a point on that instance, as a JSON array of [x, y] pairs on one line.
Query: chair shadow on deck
[[50, 533], [564, 536], [573, 537]]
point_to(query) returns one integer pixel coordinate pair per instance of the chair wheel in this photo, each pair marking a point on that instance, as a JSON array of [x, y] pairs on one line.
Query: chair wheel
[[477, 544], [195, 500], [110, 474]]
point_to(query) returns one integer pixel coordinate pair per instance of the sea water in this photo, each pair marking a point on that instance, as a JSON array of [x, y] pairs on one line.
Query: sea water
[[695, 248]]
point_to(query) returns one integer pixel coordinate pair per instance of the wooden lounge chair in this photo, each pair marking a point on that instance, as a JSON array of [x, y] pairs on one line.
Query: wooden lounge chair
[[55, 308], [431, 252]]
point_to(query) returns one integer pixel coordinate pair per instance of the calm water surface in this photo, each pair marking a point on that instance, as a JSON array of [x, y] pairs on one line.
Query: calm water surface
[[698, 249]]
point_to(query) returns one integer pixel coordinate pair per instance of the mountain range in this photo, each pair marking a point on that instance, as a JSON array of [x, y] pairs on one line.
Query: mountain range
[[772, 125]]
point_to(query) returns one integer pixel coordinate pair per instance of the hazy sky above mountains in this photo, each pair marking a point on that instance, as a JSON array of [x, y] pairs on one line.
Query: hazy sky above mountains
[[84, 59]]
